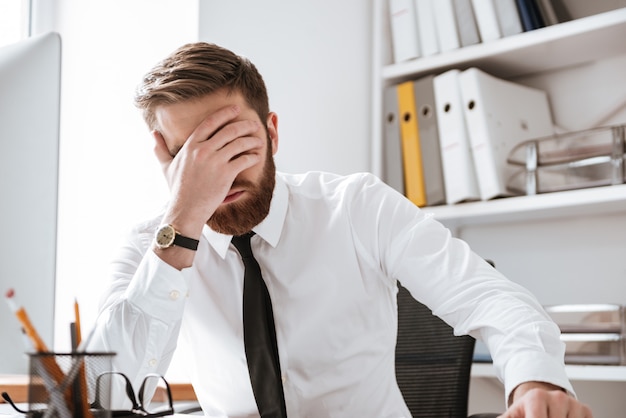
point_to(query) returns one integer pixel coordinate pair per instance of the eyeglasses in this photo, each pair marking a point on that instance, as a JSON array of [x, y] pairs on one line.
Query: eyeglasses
[[140, 405]]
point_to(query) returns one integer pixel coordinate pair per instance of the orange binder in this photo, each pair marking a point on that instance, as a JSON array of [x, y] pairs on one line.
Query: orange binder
[[414, 185]]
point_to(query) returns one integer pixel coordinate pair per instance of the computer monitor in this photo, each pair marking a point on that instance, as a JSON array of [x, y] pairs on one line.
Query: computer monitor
[[30, 82]]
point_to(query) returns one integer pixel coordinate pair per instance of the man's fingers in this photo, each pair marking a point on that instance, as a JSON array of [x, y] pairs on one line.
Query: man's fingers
[[231, 133], [539, 403], [160, 148], [234, 130], [213, 123], [242, 145], [244, 161]]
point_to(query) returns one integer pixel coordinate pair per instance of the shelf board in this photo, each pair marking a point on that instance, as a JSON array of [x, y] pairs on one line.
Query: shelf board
[[597, 200], [574, 372], [557, 46]]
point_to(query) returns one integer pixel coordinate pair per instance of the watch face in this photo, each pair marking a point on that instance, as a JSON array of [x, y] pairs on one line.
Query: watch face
[[165, 236]]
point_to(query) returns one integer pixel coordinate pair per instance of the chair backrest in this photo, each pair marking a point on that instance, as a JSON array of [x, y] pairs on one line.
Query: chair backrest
[[432, 365]]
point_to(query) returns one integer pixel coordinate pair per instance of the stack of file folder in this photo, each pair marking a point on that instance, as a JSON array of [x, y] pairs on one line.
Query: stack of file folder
[[447, 136], [593, 333], [422, 28]]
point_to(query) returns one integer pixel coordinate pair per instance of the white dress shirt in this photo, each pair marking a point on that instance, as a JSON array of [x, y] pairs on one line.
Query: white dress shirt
[[331, 251]]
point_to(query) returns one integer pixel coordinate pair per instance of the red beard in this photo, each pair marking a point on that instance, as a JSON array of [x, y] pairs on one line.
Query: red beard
[[241, 216]]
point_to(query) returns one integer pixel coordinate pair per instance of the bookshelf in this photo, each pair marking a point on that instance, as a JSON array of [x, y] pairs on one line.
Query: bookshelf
[[581, 202], [559, 46], [550, 52], [599, 36]]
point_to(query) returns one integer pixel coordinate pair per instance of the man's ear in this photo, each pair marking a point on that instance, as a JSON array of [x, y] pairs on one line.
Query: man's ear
[[272, 130]]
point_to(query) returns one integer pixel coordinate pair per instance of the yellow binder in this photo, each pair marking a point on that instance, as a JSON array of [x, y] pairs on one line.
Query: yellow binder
[[414, 186]]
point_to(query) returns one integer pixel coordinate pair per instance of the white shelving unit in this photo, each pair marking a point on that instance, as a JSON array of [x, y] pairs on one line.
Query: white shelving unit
[[592, 201], [548, 50], [598, 36], [574, 372], [559, 46]]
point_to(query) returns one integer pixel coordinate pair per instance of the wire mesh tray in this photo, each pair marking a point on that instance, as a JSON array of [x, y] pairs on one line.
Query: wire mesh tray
[[575, 160]]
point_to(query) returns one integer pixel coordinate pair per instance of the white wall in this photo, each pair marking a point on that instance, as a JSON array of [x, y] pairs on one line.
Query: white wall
[[316, 61], [109, 177]]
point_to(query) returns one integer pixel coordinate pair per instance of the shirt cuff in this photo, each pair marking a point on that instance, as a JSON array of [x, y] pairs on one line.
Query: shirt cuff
[[540, 367], [158, 289]]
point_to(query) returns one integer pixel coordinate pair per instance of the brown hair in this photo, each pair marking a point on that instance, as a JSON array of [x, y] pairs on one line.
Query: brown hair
[[195, 70]]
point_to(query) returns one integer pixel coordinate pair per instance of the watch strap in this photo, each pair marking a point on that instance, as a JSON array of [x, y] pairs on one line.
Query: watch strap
[[186, 242]]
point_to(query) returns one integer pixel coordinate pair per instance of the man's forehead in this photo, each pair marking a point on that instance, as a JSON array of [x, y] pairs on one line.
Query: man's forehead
[[189, 113]]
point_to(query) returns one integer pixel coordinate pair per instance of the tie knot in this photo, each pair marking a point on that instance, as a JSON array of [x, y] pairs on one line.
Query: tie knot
[[242, 243]]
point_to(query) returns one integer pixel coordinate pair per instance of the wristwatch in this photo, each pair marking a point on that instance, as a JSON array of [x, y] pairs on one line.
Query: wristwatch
[[166, 236]]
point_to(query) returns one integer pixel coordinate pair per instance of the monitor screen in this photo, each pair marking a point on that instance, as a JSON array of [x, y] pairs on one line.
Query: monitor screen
[[30, 81]]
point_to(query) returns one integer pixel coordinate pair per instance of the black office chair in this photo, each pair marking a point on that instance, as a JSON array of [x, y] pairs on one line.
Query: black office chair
[[432, 364]]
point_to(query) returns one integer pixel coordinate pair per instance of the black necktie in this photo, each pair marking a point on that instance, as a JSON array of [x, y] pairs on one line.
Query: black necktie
[[259, 336]]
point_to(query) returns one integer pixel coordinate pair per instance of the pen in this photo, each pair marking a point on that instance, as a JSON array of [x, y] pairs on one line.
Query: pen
[[27, 326], [38, 344], [50, 364]]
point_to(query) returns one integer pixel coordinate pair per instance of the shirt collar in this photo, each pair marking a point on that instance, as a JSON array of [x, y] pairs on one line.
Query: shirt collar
[[269, 229]]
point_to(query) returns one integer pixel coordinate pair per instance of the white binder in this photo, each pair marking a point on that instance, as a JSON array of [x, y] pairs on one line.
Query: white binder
[[466, 22], [404, 34], [487, 19], [445, 20], [456, 157], [426, 28], [500, 114], [508, 17]]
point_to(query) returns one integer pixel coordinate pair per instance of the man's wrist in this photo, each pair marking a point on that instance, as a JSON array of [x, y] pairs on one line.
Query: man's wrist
[[525, 387], [177, 257], [167, 236]]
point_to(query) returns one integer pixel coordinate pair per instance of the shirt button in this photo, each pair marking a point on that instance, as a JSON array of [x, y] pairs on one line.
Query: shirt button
[[174, 295], [283, 378], [152, 362]]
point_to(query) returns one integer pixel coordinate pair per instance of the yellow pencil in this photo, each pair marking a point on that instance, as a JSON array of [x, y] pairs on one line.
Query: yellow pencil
[[77, 322], [82, 381]]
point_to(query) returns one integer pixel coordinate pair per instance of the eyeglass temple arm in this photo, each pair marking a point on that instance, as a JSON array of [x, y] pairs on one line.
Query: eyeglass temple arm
[[167, 388]]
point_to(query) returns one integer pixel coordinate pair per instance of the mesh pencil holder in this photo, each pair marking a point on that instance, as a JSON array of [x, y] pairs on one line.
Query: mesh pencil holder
[[63, 385]]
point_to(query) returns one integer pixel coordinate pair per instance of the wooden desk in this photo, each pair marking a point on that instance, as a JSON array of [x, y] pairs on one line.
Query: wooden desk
[[180, 392], [17, 387]]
